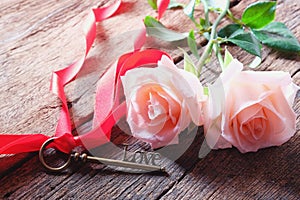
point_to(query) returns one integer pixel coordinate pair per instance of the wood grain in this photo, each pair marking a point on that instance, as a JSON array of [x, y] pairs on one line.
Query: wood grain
[[47, 39]]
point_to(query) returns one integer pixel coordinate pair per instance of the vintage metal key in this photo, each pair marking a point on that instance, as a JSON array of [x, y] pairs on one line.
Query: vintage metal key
[[85, 158], [118, 163]]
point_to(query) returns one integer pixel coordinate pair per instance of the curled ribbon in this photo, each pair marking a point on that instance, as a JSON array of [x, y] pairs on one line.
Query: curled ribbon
[[11, 144], [108, 109]]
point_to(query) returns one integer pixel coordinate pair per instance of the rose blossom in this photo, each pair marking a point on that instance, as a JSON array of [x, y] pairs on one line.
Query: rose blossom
[[162, 102], [250, 110]]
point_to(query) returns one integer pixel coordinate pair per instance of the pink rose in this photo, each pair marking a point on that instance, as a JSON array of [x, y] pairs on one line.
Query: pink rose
[[162, 102], [250, 110]]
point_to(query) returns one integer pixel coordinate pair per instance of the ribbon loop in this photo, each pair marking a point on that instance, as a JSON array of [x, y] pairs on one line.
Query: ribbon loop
[[12, 144], [108, 108]]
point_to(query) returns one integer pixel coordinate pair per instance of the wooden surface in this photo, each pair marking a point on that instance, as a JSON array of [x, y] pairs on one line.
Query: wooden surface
[[41, 36]]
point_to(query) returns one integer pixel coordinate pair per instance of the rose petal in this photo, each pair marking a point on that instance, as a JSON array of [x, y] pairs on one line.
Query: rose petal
[[233, 69], [161, 102], [188, 86]]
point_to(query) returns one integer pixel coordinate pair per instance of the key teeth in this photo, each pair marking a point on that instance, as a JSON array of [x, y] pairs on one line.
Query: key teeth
[[83, 157], [76, 156], [79, 157]]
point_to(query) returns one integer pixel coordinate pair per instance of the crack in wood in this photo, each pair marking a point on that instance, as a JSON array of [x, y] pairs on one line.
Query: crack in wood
[[294, 74], [89, 182], [166, 190], [234, 3]]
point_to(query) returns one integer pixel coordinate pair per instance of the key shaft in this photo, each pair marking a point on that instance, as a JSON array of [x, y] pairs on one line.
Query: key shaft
[[120, 163]]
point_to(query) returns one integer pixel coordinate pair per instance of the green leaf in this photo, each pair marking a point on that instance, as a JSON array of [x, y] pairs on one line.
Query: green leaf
[[189, 65], [156, 29], [248, 42], [153, 4], [216, 4], [202, 22], [259, 14], [192, 44], [189, 10], [201, 25], [230, 30], [278, 36], [174, 4], [227, 59], [206, 35], [206, 91], [255, 63]]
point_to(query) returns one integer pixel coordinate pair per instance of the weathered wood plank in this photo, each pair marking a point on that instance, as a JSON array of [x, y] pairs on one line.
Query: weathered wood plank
[[94, 181], [54, 38], [268, 174], [23, 112], [224, 173], [271, 173], [14, 192], [49, 35], [32, 36]]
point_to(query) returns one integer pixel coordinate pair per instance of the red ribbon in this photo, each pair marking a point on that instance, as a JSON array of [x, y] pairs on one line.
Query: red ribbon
[[162, 6], [108, 109], [11, 144]]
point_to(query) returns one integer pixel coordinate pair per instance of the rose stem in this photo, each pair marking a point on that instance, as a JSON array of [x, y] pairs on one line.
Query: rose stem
[[211, 41]]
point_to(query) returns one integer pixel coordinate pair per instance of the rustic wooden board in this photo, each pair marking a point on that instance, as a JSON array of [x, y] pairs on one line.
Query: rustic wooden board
[[54, 38], [270, 173]]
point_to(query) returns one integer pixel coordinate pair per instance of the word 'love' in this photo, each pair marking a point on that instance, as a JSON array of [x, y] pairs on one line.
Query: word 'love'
[[152, 158]]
